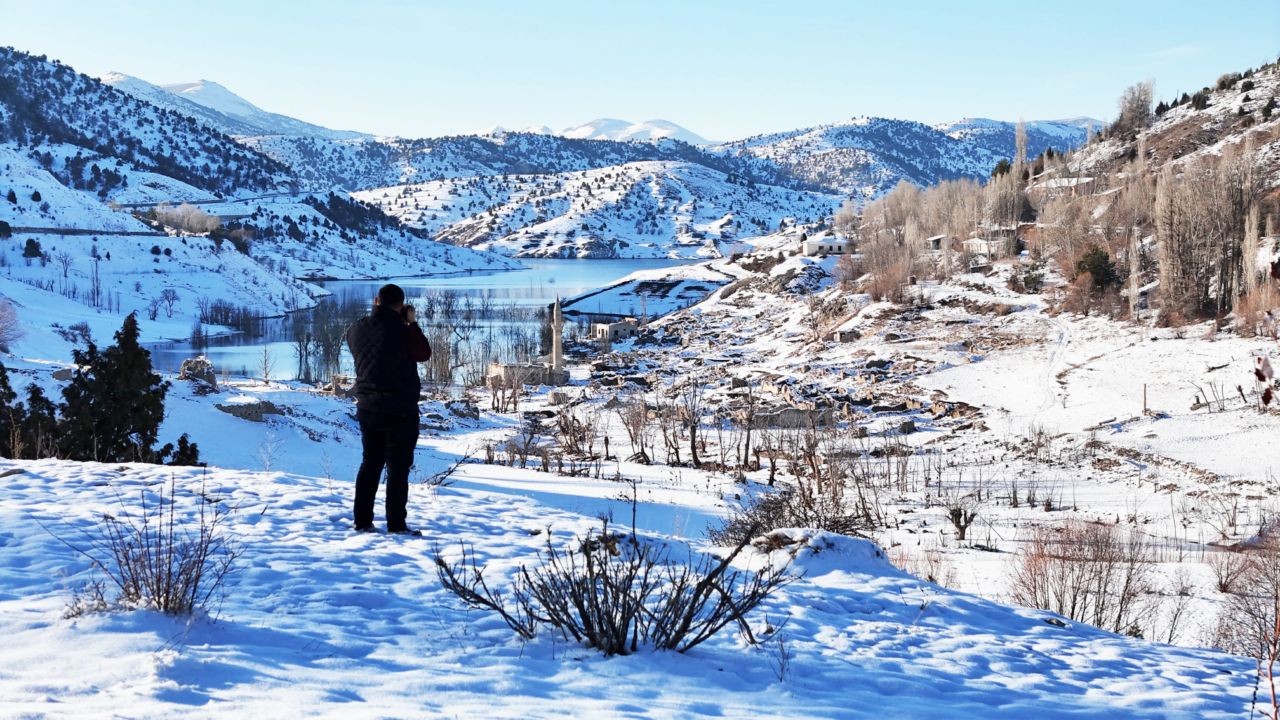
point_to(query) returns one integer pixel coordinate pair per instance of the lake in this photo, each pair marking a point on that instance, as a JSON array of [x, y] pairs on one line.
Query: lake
[[478, 316]]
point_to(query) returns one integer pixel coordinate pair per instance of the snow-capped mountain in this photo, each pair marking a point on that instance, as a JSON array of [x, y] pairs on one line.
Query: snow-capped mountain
[[862, 157], [221, 109], [609, 188], [82, 156], [625, 130], [641, 209], [501, 130]]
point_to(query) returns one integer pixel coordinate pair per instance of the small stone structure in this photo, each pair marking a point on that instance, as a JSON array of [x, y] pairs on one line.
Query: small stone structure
[[608, 332], [198, 369]]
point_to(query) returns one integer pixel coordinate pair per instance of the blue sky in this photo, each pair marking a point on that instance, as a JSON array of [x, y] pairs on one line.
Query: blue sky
[[722, 69]]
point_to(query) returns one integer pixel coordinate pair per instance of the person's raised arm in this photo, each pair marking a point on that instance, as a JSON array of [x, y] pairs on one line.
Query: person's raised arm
[[419, 347]]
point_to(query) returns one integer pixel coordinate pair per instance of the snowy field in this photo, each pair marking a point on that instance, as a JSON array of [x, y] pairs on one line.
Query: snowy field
[[322, 622]]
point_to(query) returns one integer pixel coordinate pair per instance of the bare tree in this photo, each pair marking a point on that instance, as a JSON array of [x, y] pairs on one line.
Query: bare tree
[[64, 260], [845, 221], [1020, 146], [691, 412], [266, 364], [170, 298], [1250, 620], [634, 414], [962, 510], [1135, 109]]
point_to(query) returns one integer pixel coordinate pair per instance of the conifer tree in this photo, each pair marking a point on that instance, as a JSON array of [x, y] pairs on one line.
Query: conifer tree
[[114, 403], [40, 425]]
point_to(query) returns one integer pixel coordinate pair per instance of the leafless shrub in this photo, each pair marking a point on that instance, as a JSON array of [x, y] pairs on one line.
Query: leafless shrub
[[576, 432], [88, 599], [160, 558], [465, 578], [618, 593], [930, 565], [805, 504], [634, 414], [1254, 309], [1090, 572], [1250, 620], [1228, 568], [847, 271], [1181, 589], [524, 443], [444, 478]]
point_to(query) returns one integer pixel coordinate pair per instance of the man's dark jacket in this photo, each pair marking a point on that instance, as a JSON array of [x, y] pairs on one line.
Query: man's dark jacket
[[387, 351]]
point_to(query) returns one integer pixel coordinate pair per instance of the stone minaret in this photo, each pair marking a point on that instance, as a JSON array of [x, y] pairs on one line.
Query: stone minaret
[[557, 351]]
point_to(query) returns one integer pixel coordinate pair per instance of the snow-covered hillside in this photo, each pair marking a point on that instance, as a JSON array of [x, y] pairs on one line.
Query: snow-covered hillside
[[324, 237], [865, 157], [82, 161], [646, 209], [625, 130], [44, 102], [999, 137], [366, 164], [1243, 110], [42, 201]]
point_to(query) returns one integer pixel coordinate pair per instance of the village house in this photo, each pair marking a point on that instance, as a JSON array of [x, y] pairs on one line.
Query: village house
[[823, 246], [610, 332], [982, 246]]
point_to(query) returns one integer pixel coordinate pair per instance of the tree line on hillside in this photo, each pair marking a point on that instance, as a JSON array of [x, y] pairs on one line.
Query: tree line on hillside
[[1190, 232], [48, 102]]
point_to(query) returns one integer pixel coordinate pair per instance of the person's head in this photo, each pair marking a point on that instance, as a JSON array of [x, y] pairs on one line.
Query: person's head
[[390, 296]]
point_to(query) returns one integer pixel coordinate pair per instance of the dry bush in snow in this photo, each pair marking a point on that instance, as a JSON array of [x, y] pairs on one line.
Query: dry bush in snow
[[1094, 573], [930, 565], [1255, 312], [162, 557], [1249, 623], [807, 503], [1228, 568], [620, 593]]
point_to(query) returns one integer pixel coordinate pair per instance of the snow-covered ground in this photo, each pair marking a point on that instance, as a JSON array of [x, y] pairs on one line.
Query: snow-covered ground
[[319, 620]]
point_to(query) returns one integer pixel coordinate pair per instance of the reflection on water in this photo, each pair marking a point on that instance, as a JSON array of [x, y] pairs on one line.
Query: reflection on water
[[470, 318]]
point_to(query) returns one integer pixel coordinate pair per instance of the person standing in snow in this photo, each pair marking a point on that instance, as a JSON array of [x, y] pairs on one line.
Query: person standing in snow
[[387, 345]]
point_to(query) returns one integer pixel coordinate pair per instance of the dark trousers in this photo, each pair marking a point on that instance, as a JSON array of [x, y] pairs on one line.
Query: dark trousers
[[388, 441]]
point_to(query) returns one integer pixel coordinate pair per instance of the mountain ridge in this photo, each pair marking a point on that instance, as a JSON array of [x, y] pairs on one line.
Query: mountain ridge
[[222, 109]]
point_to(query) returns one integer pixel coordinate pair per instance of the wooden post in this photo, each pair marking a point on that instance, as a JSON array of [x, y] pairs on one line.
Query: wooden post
[[1144, 399]]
